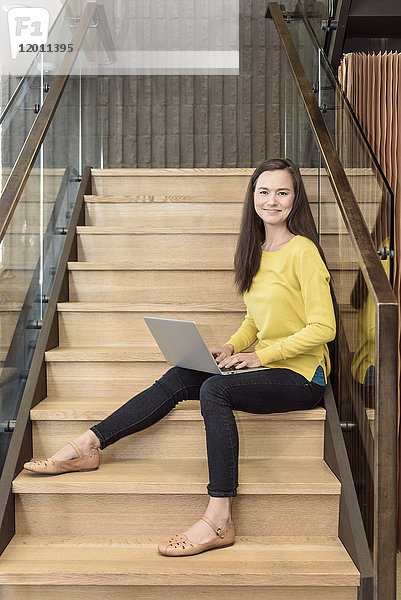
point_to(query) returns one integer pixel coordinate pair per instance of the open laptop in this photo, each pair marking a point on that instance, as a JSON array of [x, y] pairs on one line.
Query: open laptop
[[183, 346]]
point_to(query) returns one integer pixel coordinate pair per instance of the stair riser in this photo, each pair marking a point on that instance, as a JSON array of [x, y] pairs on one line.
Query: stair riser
[[85, 379], [144, 592], [166, 514], [257, 439], [100, 329], [198, 250], [171, 286], [209, 189], [221, 189], [145, 215], [150, 286]]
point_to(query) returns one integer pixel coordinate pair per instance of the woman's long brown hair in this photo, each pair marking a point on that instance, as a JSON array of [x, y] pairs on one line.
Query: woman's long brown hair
[[252, 232]]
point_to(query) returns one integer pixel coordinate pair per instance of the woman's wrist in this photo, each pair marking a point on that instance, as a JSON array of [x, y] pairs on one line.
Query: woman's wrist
[[230, 347]]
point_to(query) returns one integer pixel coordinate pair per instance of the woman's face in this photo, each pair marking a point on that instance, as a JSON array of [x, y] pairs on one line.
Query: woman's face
[[274, 196]]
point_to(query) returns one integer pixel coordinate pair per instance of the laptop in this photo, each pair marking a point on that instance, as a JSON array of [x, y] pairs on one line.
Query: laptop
[[183, 346]]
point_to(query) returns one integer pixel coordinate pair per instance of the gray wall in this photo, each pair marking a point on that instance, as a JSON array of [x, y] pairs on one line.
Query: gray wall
[[199, 121]]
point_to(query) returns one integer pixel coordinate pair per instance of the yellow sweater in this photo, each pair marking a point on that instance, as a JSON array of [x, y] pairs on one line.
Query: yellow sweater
[[289, 310]]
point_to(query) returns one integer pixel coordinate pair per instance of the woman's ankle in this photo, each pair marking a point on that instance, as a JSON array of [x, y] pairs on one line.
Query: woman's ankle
[[219, 509], [93, 440]]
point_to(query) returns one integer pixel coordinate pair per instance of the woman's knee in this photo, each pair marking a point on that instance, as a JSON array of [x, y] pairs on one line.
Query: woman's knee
[[212, 391], [173, 377], [178, 379]]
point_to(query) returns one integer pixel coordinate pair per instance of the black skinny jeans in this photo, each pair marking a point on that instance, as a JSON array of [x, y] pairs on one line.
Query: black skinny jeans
[[260, 392]]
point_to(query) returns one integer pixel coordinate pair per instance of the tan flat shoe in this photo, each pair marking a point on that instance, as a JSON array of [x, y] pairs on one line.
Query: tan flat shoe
[[180, 545], [49, 466]]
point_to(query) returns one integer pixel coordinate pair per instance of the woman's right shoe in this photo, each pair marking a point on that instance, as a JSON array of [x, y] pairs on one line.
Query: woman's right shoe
[[49, 466], [180, 545]]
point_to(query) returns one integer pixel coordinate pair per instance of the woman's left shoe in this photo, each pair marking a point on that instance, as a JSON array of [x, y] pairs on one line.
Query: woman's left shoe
[[49, 466], [180, 545]]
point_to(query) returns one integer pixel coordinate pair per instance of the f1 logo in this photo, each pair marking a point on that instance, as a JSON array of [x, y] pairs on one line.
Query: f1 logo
[[27, 26]]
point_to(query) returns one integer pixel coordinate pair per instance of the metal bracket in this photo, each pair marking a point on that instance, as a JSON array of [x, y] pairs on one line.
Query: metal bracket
[[315, 87], [328, 25], [46, 87], [35, 324], [61, 230], [7, 426], [347, 426], [35, 108], [324, 108], [384, 252]]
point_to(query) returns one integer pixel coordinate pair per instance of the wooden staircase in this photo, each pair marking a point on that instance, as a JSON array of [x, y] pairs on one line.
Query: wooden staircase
[[161, 242]]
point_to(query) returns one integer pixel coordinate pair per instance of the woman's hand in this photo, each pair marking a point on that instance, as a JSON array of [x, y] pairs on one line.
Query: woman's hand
[[221, 353], [242, 359]]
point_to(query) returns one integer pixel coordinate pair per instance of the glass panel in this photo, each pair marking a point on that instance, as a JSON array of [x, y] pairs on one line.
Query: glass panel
[[371, 190], [26, 104], [32, 246]]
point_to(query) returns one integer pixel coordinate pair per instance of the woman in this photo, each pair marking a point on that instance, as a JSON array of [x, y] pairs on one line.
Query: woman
[[280, 271]]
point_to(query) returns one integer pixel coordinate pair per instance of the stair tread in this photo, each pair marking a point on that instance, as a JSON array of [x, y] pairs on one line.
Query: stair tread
[[225, 307], [141, 199], [172, 172], [131, 266], [181, 231], [159, 229], [79, 409], [134, 266], [185, 476], [207, 171], [258, 560], [193, 198], [134, 352]]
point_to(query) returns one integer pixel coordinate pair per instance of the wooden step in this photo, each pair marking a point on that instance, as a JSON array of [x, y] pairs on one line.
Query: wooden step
[[97, 323], [146, 216], [123, 282], [103, 324], [146, 212], [136, 352], [97, 379], [115, 282], [254, 568], [153, 250], [296, 433], [211, 185], [217, 185], [278, 496], [197, 249]]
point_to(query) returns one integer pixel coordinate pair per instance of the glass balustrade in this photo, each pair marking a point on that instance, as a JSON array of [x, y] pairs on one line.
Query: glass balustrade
[[33, 242]]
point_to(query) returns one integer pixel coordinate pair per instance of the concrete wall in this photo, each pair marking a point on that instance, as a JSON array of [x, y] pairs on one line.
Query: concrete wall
[[199, 121]]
